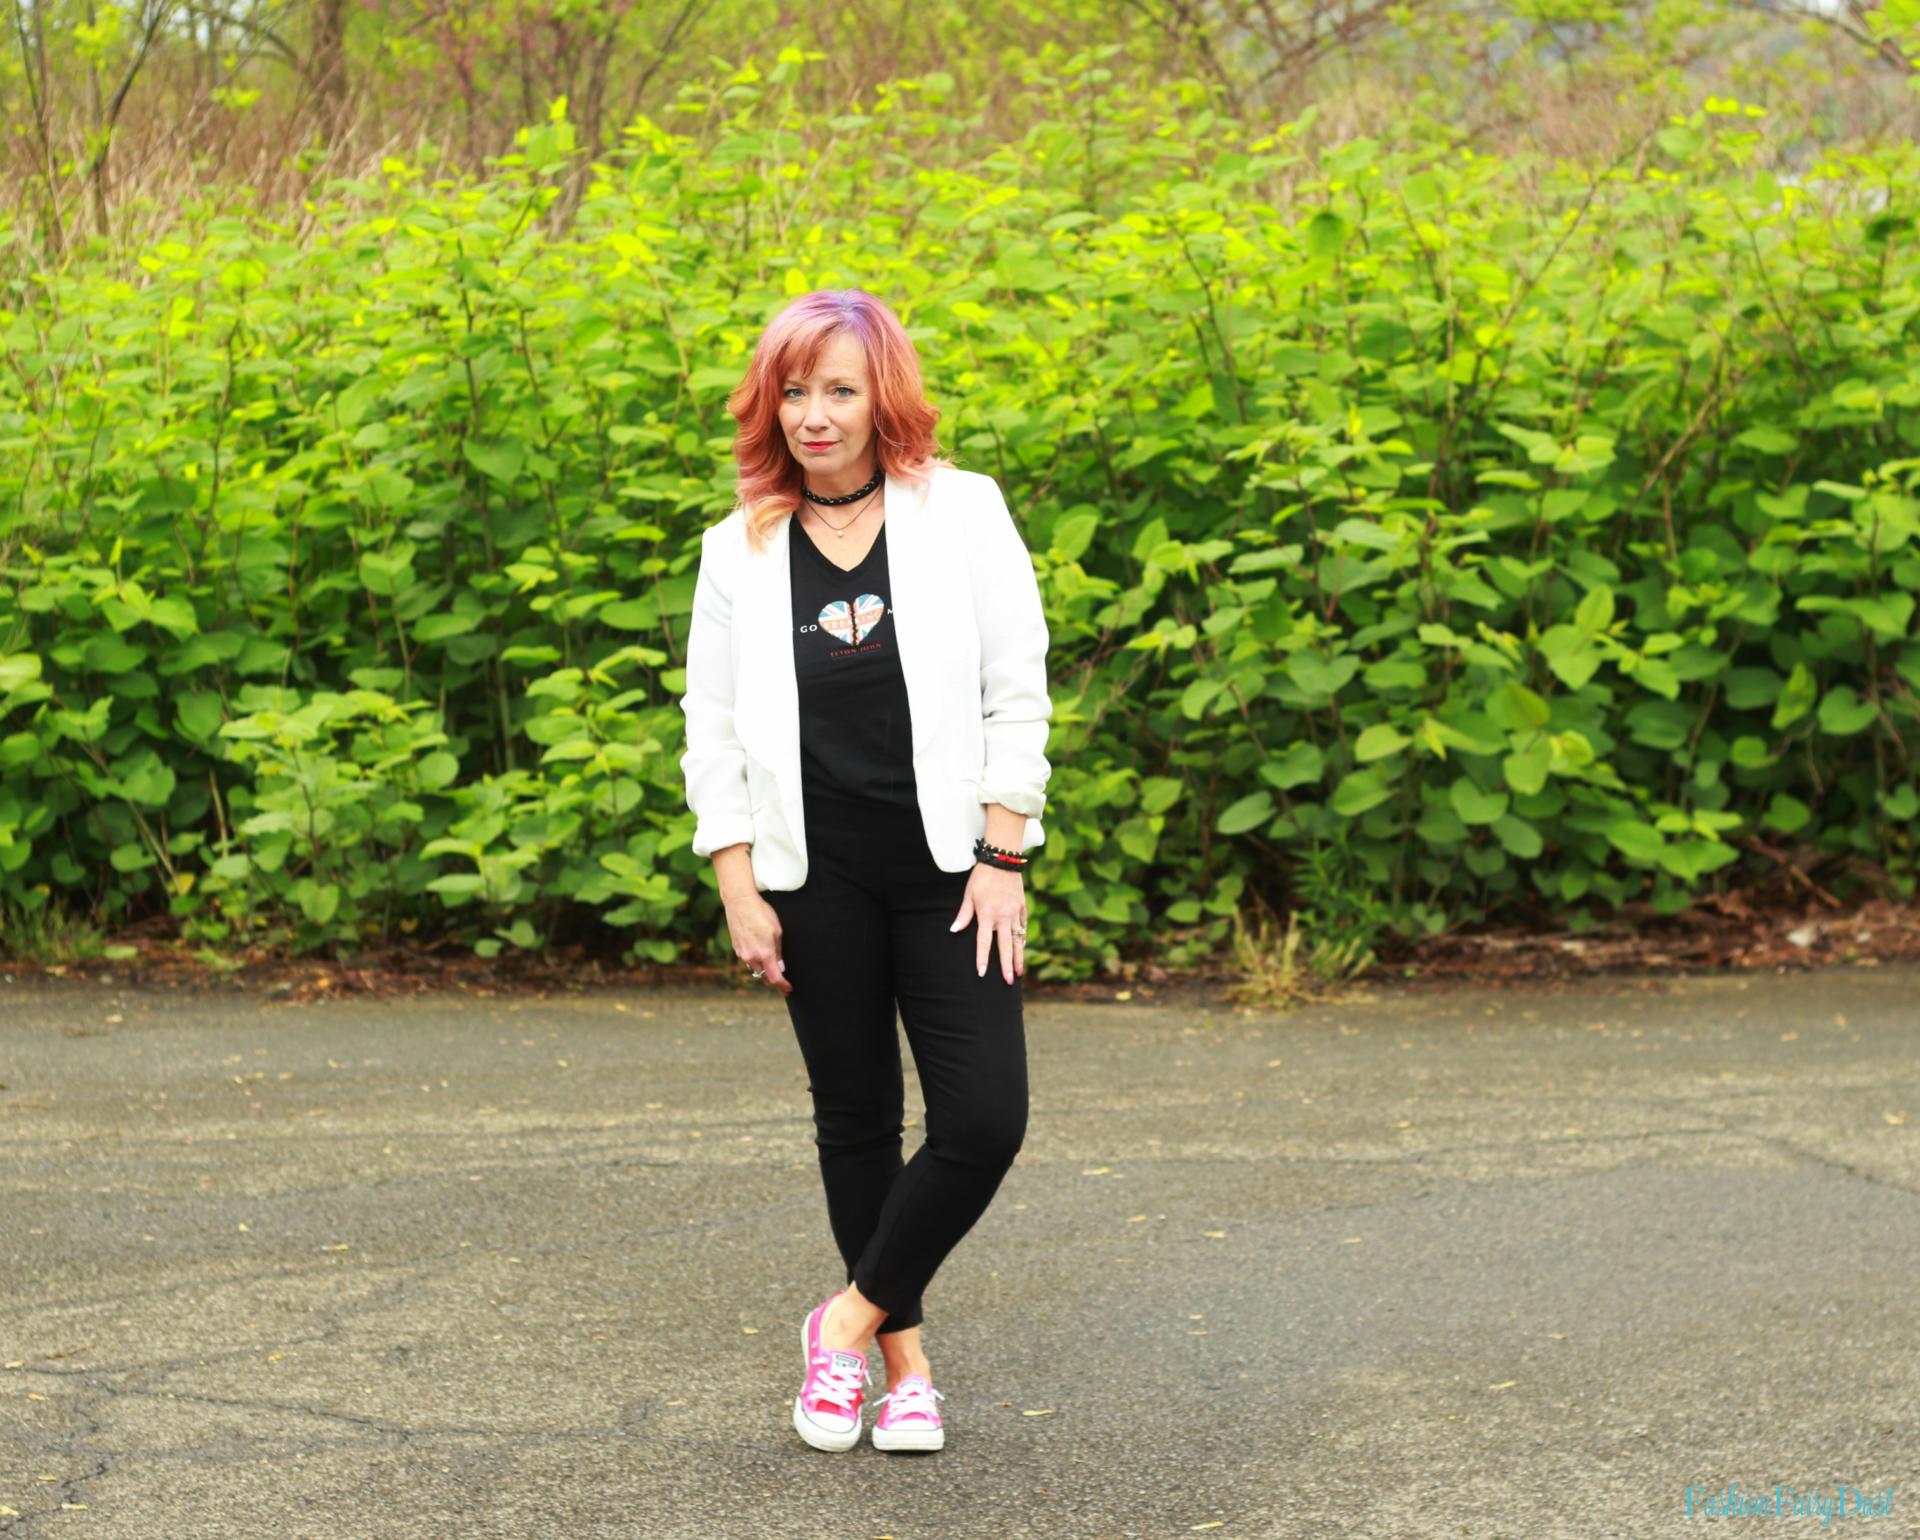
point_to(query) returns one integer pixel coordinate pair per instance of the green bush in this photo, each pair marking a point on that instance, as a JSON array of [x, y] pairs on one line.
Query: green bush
[[1479, 535]]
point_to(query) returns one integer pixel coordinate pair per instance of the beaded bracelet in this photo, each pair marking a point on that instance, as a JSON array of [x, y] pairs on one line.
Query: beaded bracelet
[[995, 856]]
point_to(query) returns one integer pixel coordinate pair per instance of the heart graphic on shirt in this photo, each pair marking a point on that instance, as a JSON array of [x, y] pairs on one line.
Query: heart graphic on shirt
[[853, 622]]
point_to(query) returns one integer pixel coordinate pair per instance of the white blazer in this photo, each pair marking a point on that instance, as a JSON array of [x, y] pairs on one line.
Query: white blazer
[[973, 648]]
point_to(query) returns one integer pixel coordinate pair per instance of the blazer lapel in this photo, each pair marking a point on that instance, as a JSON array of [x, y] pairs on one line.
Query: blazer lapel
[[908, 576], [766, 705]]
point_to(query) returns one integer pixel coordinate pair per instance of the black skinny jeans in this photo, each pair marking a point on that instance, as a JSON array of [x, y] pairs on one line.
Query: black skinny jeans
[[869, 927]]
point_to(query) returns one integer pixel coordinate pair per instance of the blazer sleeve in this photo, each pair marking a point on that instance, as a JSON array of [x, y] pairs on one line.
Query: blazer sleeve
[[715, 766], [1014, 701]]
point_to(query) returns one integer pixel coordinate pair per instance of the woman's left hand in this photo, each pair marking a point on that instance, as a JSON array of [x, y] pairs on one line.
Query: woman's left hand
[[998, 899]]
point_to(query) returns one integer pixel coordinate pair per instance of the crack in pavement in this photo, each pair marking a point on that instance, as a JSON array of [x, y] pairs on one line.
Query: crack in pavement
[[1833, 1163], [73, 1443]]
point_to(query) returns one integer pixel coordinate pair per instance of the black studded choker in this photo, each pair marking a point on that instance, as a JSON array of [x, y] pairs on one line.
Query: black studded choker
[[851, 497]]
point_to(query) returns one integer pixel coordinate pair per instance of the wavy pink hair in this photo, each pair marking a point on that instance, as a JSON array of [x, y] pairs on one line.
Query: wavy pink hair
[[770, 478]]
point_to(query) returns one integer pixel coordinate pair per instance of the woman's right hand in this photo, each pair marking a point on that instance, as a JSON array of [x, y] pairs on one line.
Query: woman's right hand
[[755, 929]]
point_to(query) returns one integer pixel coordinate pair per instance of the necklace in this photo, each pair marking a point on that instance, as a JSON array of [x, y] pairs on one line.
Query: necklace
[[846, 497], [840, 530]]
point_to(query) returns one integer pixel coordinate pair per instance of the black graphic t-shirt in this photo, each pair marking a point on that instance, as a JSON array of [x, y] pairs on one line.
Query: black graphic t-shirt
[[856, 737]]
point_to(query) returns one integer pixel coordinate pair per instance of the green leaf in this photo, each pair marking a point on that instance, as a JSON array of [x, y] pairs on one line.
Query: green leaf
[[1073, 534], [1396, 674], [149, 782], [1302, 764], [1843, 713], [438, 769], [1474, 805], [1440, 826], [1679, 141], [1378, 741], [1786, 813], [1320, 676], [1195, 698], [522, 934], [1573, 659], [1138, 838], [1595, 611], [1518, 837], [1153, 535], [1262, 561], [1901, 803], [387, 575], [1523, 706], [175, 616], [198, 715], [1326, 233], [17, 669], [1661, 725], [1888, 616], [1197, 403], [1526, 769], [500, 460], [1159, 792], [1657, 675], [1767, 440], [631, 614], [1635, 838], [438, 627], [243, 273], [1362, 532], [319, 901], [1249, 812], [1360, 792], [1796, 697], [110, 655]]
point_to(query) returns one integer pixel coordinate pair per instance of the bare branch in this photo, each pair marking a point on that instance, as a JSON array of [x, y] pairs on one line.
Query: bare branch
[[260, 30], [1853, 25]]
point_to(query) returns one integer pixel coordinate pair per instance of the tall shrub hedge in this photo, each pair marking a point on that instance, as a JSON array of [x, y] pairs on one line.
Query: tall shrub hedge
[[1421, 535]]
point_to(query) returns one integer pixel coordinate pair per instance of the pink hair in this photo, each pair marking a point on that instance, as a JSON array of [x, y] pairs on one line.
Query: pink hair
[[770, 478]]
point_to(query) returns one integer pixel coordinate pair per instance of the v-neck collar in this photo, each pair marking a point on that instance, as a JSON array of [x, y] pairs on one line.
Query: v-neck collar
[[799, 533]]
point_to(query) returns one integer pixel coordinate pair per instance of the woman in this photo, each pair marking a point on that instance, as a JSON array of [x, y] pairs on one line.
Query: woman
[[866, 713]]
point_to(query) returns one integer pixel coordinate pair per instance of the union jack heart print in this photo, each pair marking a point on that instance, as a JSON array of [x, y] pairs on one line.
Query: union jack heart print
[[853, 623]]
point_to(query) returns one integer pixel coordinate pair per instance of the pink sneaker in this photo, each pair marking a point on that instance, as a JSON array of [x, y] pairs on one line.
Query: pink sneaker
[[826, 1413], [910, 1419]]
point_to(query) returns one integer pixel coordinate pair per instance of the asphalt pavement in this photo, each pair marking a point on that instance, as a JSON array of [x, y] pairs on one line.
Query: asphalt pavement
[[1622, 1258]]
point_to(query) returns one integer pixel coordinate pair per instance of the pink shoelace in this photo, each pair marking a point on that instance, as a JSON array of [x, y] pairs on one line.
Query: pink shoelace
[[912, 1397]]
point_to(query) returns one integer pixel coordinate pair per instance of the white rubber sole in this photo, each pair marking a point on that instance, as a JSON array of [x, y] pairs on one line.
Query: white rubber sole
[[807, 1428], [820, 1438], [895, 1439]]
